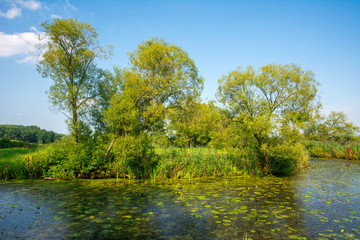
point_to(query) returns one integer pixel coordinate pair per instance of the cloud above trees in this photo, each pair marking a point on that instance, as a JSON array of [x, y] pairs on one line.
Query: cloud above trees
[[16, 6], [23, 44]]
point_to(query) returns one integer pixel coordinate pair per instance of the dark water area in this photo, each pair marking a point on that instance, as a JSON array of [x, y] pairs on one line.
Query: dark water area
[[321, 202]]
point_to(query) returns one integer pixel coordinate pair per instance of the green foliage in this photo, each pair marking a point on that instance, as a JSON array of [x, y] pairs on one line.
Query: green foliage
[[329, 149], [285, 159], [334, 127], [69, 60], [198, 162], [193, 124], [160, 77], [8, 143], [271, 102], [18, 164], [156, 102], [65, 160], [133, 157], [29, 134]]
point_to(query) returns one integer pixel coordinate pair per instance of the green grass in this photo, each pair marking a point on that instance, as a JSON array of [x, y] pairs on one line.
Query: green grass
[[333, 150], [15, 163], [7, 154], [197, 162]]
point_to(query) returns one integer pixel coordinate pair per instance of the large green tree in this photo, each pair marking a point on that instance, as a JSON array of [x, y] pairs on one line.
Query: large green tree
[[70, 52], [269, 103], [161, 76], [335, 127]]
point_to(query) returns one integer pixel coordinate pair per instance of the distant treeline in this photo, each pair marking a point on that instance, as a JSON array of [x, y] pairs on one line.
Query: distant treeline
[[29, 134]]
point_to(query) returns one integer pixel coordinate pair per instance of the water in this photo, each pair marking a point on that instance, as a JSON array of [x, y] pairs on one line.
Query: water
[[322, 202]]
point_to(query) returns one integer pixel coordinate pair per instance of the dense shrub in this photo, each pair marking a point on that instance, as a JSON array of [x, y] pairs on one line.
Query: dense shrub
[[285, 159], [133, 157], [64, 159]]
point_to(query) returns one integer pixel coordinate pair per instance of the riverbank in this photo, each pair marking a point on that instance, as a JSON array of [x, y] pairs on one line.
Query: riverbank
[[67, 161], [318, 149]]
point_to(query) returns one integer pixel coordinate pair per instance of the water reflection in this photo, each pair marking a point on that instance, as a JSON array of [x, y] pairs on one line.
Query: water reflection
[[329, 193], [321, 202]]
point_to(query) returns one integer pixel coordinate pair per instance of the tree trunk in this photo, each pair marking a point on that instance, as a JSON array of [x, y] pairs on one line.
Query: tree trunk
[[75, 125], [109, 149], [263, 158]]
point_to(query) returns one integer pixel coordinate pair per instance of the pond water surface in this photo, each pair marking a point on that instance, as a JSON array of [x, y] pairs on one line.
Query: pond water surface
[[321, 202]]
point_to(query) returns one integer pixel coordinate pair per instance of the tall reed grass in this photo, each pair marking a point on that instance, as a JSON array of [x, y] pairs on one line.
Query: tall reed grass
[[198, 162], [18, 164], [333, 150]]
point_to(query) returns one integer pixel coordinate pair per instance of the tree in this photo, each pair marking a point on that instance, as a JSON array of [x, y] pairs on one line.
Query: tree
[[112, 84], [194, 123], [160, 77], [335, 127], [69, 60], [269, 103]]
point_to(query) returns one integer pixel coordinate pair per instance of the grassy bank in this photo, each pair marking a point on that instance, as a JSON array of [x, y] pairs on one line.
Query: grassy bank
[[16, 163], [137, 158], [333, 150], [165, 163]]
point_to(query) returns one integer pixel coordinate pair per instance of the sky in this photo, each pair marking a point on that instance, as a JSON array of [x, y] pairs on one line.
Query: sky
[[321, 36]]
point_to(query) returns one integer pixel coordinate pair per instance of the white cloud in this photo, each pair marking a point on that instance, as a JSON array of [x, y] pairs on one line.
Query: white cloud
[[21, 44], [53, 16], [69, 5], [16, 6], [18, 43], [30, 59], [30, 4], [11, 13]]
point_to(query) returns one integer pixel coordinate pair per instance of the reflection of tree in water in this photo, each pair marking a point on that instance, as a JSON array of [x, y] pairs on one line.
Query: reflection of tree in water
[[226, 208], [238, 207], [192, 209]]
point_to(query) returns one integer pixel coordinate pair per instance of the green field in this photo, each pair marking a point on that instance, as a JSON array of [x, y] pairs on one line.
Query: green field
[[14, 162], [13, 154]]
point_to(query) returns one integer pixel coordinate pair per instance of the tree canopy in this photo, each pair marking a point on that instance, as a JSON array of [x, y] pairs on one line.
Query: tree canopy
[[269, 102], [161, 76], [69, 60], [30, 134]]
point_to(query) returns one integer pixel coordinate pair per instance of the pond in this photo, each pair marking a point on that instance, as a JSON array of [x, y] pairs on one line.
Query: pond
[[321, 202]]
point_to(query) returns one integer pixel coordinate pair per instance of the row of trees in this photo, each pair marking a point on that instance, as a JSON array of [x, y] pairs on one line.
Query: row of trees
[[157, 99], [29, 134]]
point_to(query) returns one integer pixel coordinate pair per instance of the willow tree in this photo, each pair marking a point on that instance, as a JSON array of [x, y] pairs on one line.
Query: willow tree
[[271, 102], [160, 77], [69, 56]]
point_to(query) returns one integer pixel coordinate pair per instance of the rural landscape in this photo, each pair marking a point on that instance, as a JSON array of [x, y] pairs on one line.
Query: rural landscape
[[146, 157]]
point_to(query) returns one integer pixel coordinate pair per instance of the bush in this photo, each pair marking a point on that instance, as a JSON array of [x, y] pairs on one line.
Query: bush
[[285, 159], [67, 160], [133, 157]]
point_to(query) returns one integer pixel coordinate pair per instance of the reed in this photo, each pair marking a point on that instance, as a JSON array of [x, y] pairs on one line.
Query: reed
[[318, 149]]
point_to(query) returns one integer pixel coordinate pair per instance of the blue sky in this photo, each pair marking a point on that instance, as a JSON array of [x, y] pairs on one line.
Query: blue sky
[[321, 36]]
